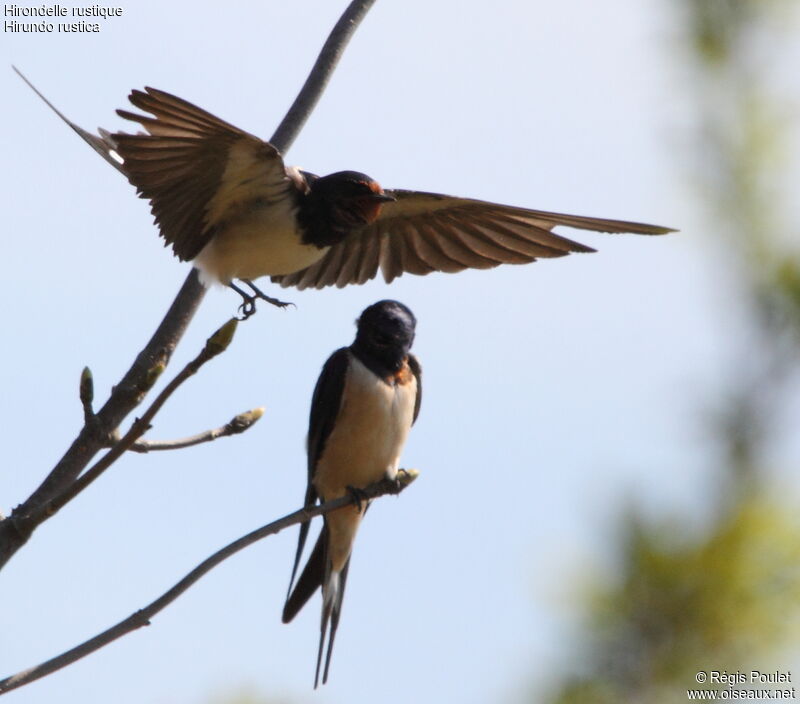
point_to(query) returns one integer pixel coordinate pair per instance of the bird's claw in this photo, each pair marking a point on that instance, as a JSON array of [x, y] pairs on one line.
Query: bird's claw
[[358, 496], [274, 301], [247, 308], [248, 305]]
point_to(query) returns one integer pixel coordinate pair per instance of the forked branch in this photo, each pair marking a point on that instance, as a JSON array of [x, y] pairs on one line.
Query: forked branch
[[16, 529]]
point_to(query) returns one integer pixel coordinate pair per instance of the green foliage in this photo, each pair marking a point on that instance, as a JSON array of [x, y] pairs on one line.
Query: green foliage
[[247, 696], [728, 598], [681, 604]]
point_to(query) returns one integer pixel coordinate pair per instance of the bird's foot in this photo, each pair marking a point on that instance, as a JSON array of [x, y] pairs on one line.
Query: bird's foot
[[400, 480], [258, 293], [358, 496], [248, 306]]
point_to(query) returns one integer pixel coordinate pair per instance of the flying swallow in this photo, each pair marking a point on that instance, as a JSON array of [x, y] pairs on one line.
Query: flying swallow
[[225, 200], [365, 402]]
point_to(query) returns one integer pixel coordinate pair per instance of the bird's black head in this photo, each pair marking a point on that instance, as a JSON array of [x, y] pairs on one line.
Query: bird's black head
[[385, 335], [338, 203]]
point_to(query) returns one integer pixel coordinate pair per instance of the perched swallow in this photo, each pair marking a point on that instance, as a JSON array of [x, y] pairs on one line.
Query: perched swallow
[[365, 402], [224, 199]]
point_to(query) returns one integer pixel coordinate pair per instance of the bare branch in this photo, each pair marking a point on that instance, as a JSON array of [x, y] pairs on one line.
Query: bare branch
[[216, 344], [320, 74], [130, 391], [142, 616], [127, 394], [236, 425]]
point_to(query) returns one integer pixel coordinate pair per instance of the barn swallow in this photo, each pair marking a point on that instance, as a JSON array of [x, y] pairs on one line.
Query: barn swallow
[[365, 402], [224, 200]]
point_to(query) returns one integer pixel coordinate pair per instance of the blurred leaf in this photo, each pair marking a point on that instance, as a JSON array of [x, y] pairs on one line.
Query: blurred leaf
[[729, 598], [723, 601]]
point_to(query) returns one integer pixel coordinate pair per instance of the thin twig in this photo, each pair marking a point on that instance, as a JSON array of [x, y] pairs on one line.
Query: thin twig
[[236, 425], [142, 616], [216, 344], [127, 394]]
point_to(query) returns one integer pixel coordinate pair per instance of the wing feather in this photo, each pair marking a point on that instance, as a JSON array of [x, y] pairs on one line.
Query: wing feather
[[447, 234], [416, 369], [500, 246], [471, 238], [351, 261], [195, 169], [370, 259], [424, 232], [419, 259], [325, 404]]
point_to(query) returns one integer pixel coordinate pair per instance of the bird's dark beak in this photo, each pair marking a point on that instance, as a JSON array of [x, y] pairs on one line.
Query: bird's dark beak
[[383, 197]]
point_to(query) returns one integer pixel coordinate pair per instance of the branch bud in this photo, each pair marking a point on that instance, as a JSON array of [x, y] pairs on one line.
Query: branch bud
[[220, 340], [86, 387], [152, 376], [406, 476], [244, 420]]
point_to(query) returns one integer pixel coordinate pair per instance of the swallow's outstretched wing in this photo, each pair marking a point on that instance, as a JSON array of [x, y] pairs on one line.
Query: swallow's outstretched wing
[[197, 171], [424, 232]]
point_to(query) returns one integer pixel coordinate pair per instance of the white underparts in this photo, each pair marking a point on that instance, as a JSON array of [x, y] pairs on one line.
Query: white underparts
[[262, 241], [363, 447]]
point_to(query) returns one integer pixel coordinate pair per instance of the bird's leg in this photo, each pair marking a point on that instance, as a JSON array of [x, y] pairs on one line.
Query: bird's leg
[[248, 306], [258, 293]]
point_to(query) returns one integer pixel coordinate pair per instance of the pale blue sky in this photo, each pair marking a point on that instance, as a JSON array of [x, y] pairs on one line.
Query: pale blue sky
[[553, 391]]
